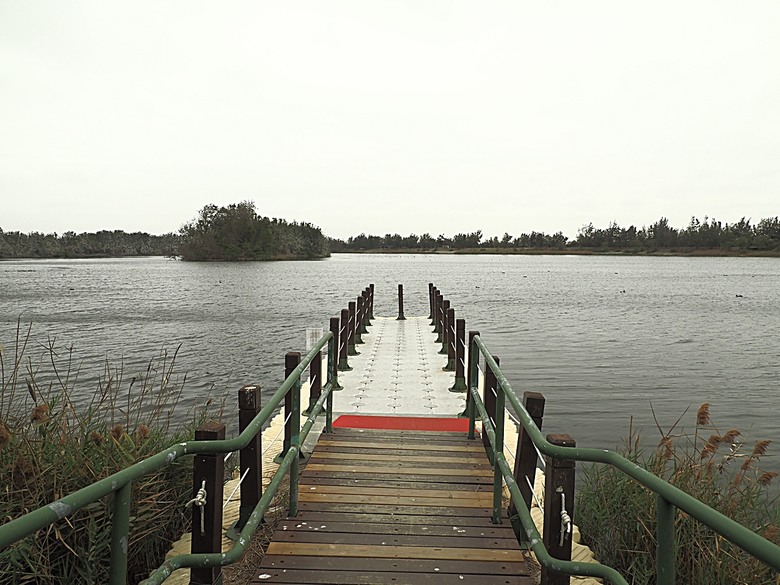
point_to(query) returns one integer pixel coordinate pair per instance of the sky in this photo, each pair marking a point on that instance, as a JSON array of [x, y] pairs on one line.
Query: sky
[[381, 117]]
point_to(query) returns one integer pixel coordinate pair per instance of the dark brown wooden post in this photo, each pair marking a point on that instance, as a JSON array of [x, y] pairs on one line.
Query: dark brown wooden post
[[211, 470], [437, 316], [315, 381], [472, 380], [343, 339], [400, 303], [559, 481], [451, 341], [333, 356], [371, 302], [489, 400], [430, 300], [365, 322], [525, 454], [351, 330], [359, 321], [460, 356], [445, 326], [251, 460]]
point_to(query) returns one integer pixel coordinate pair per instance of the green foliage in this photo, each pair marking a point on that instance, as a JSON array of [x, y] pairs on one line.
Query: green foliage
[[617, 515], [236, 232], [86, 245], [49, 448]]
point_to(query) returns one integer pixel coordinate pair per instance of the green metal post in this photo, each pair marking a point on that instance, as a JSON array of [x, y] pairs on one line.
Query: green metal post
[[498, 476], [472, 382], [666, 555], [120, 534], [291, 361]]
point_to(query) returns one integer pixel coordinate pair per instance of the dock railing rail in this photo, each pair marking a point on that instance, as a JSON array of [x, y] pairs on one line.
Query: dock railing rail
[[669, 498]]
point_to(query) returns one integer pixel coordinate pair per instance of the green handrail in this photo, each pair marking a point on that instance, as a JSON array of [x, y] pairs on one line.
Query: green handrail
[[120, 482], [669, 496]]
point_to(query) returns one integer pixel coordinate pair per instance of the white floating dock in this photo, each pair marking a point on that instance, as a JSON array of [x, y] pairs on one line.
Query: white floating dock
[[399, 371]]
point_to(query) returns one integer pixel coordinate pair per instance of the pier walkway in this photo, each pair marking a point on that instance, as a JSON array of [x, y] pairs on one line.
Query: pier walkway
[[396, 499]]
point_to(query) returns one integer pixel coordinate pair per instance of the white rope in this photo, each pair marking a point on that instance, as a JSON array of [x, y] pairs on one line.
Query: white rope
[[565, 520], [233, 493], [533, 493], [229, 455], [277, 434], [541, 457], [200, 501], [463, 363], [312, 380], [512, 453]]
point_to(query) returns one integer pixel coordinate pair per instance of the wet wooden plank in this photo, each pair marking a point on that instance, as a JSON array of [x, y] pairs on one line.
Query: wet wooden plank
[[374, 517], [452, 540], [430, 492], [394, 552], [459, 567], [373, 524], [342, 577]]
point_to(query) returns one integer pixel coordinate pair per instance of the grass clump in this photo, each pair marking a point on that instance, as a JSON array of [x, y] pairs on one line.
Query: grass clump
[[617, 515], [51, 447]]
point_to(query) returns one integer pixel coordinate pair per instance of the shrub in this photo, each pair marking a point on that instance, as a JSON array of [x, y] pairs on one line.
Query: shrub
[[50, 447], [617, 515]]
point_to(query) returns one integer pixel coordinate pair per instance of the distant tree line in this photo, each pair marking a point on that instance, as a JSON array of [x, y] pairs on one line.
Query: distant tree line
[[237, 232], [86, 245], [707, 234]]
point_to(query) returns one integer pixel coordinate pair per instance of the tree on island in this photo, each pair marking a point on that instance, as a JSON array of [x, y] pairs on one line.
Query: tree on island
[[237, 232]]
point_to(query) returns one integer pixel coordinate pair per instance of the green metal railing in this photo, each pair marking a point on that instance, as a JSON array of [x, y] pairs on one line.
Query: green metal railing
[[120, 484], [669, 497]]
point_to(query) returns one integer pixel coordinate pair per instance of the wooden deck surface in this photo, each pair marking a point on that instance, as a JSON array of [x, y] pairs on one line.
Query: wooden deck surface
[[400, 507]]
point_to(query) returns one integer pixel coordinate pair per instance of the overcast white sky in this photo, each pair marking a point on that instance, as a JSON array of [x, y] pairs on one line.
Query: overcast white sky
[[388, 116]]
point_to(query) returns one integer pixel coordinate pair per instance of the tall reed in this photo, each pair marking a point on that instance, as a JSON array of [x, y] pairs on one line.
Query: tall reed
[[50, 447], [617, 515]]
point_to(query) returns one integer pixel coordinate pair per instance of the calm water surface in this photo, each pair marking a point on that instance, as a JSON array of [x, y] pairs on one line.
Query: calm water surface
[[602, 337]]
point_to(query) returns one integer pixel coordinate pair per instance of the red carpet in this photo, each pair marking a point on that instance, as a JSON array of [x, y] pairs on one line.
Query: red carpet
[[402, 423]]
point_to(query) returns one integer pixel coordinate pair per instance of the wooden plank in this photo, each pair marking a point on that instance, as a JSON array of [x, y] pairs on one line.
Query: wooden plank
[[402, 565], [425, 540], [371, 482], [401, 520], [355, 524], [384, 459], [342, 577], [430, 492], [391, 450], [390, 469], [392, 500], [394, 552], [413, 510], [470, 448], [314, 475]]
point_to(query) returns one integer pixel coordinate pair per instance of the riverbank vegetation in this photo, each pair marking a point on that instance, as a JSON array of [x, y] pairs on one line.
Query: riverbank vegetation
[[102, 244], [54, 441], [710, 237], [720, 468], [237, 232]]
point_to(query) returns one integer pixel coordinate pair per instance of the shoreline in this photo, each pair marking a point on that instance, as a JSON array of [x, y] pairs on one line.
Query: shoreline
[[698, 252]]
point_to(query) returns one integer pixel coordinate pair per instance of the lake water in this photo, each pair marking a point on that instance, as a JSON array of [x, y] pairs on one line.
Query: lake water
[[602, 337]]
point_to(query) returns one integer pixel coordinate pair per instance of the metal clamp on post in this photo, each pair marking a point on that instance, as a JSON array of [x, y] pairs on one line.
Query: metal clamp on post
[[200, 501]]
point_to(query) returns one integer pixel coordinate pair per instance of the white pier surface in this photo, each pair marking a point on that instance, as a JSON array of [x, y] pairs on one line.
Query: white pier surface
[[399, 371]]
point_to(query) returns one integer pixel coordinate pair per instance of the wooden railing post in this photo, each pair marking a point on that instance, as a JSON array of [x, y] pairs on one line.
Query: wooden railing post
[[371, 302], [445, 326], [451, 342], [400, 303], [460, 357], [365, 322], [526, 455], [315, 381], [437, 317], [472, 381], [343, 339], [359, 321], [208, 472], [430, 300], [489, 400], [250, 458], [351, 330], [291, 361], [558, 496], [333, 355]]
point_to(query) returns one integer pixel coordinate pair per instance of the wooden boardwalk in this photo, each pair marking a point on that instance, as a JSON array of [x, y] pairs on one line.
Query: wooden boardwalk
[[400, 507]]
